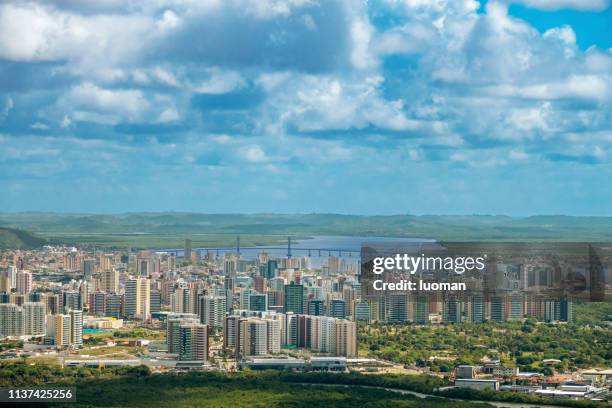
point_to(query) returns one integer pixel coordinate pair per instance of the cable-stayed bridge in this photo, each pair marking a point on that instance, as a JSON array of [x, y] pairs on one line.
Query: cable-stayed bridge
[[288, 249]]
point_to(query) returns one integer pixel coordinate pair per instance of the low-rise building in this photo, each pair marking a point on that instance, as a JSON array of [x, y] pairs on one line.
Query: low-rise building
[[499, 370], [328, 363], [477, 383], [465, 371], [274, 364]]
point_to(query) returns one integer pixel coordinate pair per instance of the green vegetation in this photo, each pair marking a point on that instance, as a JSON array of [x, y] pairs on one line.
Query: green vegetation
[[145, 230], [20, 374], [11, 344], [137, 387], [139, 333], [594, 313], [427, 385], [525, 345], [508, 396], [146, 240], [11, 238]]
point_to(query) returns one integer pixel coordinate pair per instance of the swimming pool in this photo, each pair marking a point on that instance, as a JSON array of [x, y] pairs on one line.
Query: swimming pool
[[90, 330]]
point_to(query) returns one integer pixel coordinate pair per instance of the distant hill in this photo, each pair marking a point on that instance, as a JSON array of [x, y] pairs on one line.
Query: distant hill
[[445, 227], [17, 239]]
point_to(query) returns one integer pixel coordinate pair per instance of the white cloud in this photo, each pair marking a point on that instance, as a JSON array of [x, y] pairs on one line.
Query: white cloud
[[598, 62], [39, 126], [168, 21], [168, 115], [254, 154], [315, 103], [518, 155], [222, 139], [66, 122], [90, 96], [88, 102], [595, 5], [585, 87], [266, 9], [164, 77], [411, 38], [45, 34], [309, 22], [8, 105], [565, 34], [472, 76], [219, 82], [94, 5], [361, 35], [525, 120]]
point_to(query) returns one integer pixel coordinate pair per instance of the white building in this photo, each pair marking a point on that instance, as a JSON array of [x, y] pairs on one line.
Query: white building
[[11, 320], [212, 311], [34, 318], [138, 298]]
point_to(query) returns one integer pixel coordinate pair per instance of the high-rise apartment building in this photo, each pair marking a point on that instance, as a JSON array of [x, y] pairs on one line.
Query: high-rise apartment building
[[66, 329], [34, 314], [62, 330], [498, 308], [193, 342], [113, 306], [88, 268], [316, 307], [187, 252], [294, 298], [138, 298], [346, 338], [71, 299], [24, 282], [11, 273], [212, 311], [52, 302], [258, 302], [253, 337], [173, 338], [452, 310], [106, 262], [337, 308], [155, 301], [97, 303], [181, 301], [273, 328], [76, 327], [362, 311], [109, 280], [231, 331], [11, 320]]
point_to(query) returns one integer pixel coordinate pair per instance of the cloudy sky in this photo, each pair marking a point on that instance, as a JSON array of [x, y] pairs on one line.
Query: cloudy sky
[[369, 107]]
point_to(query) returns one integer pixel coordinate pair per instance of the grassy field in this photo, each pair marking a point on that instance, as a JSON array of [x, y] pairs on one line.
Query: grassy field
[[159, 240], [157, 230]]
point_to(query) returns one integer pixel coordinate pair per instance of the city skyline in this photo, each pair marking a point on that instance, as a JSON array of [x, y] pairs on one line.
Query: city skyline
[[386, 107], [240, 203]]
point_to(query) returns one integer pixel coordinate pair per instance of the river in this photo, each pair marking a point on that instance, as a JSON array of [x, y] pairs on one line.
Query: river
[[421, 395]]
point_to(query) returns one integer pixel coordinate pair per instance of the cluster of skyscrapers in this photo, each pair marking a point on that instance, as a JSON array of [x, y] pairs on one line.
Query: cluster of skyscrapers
[[259, 306]]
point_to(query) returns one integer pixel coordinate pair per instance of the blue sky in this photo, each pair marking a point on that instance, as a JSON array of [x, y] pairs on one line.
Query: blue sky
[[368, 107]]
